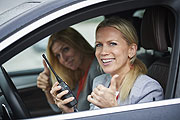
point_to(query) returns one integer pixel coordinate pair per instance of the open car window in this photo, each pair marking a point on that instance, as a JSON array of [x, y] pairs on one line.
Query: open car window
[[26, 62], [31, 58]]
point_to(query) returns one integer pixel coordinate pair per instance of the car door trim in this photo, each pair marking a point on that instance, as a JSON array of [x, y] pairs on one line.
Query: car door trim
[[111, 110]]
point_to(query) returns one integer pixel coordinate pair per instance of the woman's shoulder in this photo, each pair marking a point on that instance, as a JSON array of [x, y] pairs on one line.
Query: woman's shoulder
[[144, 82], [145, 89]]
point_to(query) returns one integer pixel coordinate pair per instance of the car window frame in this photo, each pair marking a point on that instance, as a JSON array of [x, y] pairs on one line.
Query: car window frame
[[40, 32], [65, 20]]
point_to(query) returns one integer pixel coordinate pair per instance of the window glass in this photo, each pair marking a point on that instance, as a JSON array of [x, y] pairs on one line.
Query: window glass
[[31, 57]]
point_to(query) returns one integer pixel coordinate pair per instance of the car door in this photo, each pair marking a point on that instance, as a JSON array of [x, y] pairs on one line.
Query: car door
[[24, 70], [58, 19]]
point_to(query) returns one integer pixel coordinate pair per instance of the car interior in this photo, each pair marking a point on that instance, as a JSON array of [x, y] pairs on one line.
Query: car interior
[[155, 28], [156, 25]]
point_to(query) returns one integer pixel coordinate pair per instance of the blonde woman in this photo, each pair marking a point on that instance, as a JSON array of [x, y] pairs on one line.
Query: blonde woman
[[72, 57], [125, 81]]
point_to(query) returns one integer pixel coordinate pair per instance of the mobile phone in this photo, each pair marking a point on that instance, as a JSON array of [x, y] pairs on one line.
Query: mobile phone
[[63, 85]]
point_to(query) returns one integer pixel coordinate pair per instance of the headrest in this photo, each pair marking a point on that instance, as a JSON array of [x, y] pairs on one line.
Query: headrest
[[171, 28], [154, 29]]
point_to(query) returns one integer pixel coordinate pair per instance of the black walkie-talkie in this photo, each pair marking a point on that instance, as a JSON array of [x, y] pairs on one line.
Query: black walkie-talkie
[[63, 85]]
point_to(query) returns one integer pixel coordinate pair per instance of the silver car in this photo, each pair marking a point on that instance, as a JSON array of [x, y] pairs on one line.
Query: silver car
[[26, 27]]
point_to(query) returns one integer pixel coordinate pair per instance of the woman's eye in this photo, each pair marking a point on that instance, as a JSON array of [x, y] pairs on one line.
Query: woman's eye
[[113, 43], [98, 45], [65, 49], [58, 56]]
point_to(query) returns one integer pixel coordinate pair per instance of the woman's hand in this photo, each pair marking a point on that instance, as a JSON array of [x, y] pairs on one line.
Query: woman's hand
[[58, 98], [43, 80], [104, 97]]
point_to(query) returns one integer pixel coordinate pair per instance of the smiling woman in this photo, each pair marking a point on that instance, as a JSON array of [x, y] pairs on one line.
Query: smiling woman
[[109, 40], [116, 46], [72, 57]]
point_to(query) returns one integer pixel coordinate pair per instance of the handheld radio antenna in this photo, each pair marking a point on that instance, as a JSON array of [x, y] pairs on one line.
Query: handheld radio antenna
[[50, 66]]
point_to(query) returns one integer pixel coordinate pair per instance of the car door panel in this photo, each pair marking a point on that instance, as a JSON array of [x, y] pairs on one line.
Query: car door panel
[[158, 110], [33, 97]]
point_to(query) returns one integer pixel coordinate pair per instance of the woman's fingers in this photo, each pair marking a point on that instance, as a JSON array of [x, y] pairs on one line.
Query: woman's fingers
[[104, 97], [100, 90], [54, 89], [43, 78], [43, 82], [97, 95], [57, 96], [65, 101], [91, 99], [62, 105]]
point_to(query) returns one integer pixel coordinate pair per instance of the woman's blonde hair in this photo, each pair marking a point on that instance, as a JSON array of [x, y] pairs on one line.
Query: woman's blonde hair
[[129, 34], [75, 40]]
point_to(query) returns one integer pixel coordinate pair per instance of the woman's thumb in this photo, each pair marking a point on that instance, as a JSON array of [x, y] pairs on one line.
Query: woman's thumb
[[113, 82]]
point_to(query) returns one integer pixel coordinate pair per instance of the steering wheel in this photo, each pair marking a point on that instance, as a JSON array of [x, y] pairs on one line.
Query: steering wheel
[[12, 96]]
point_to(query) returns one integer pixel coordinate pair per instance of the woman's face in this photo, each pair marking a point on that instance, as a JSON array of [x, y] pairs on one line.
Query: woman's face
[[112, 51], [66, 55]]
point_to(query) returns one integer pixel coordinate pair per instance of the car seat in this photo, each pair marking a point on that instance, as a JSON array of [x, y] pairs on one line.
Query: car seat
[[157, 35]]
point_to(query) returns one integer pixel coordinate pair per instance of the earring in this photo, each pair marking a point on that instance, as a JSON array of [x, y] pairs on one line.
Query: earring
[[131, 66]]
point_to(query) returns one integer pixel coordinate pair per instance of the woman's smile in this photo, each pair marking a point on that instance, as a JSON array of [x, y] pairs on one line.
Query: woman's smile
[[107, 61]]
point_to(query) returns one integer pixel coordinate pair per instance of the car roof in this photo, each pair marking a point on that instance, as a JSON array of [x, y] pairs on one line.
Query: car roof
[[15, 9], [26, 13]]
